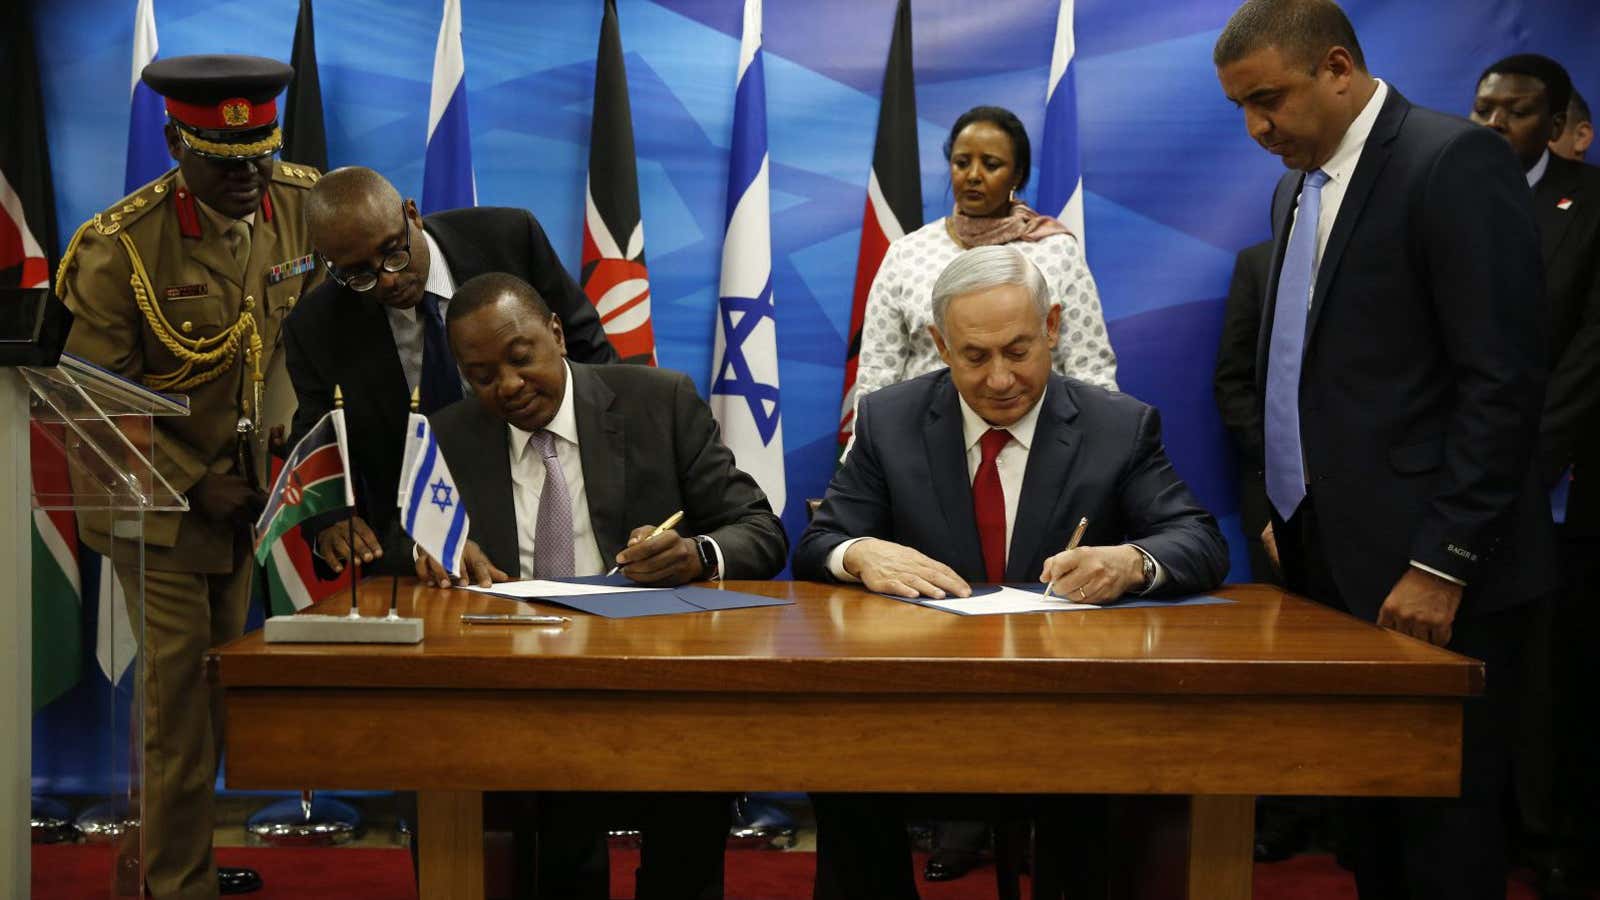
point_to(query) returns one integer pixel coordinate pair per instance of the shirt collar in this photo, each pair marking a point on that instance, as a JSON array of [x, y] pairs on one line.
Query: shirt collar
[[564, 425], [973, 427], [440, 281], [220, 221], [1342, 164], [1537, 172]]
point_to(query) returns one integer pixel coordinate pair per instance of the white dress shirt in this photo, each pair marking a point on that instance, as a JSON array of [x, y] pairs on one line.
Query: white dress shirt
[[1340, 168], [527, 485], [1011, 464], [1536, 173], [405, 325]]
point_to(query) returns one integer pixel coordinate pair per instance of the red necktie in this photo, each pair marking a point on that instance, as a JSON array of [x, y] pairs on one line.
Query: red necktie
[[989, 505]]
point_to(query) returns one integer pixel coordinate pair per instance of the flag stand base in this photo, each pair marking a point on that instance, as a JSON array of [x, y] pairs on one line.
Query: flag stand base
[[307, 629]]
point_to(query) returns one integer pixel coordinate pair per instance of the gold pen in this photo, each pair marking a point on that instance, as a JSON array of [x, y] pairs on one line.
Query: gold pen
[[1077, 535], [671, 523]]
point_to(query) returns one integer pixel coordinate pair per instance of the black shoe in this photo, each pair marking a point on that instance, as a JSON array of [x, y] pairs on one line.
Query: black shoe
[[948, 865], [237, 881], [1275, 846]]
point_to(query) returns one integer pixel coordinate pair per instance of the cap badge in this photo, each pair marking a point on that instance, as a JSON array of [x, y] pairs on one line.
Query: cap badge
[[236, 112]]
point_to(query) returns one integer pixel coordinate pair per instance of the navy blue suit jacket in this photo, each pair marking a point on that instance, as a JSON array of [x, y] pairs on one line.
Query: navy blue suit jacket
[[1095, 453], [1424, 366]]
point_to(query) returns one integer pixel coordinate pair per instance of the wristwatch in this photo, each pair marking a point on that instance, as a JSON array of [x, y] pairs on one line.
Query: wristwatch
[[708, 557], [1149, 568]]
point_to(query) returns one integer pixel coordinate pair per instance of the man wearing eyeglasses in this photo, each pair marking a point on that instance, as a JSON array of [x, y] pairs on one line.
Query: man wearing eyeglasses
[[375, 330], [181, 286]]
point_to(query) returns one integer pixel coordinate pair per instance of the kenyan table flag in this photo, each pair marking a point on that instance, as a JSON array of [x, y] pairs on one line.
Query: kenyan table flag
[[314, 480]]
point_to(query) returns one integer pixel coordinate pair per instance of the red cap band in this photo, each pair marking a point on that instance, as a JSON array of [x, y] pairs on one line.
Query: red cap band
[[236, 113]]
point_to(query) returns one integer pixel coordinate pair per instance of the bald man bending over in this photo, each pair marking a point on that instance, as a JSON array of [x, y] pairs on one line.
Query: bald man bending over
[[375, 328]]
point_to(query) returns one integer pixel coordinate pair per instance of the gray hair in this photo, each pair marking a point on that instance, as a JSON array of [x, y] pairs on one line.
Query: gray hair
[[982, 268]]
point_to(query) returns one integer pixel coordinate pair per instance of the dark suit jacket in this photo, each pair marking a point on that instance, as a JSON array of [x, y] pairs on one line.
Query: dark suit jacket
[[1233, 382], [649, 448], [1095, 453], [1424, 370], [1571, 239], [338, 337]]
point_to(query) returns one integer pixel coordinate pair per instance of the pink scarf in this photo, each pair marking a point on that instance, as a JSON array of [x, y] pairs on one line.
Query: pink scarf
[[1021, 223]]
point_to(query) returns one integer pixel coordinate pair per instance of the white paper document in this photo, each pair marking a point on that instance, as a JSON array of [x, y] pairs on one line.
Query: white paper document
[[540, 588], [1003, 601]]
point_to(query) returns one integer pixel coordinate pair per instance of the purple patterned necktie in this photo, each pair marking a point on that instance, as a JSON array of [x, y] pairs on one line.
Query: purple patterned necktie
[[1286, 472], [552, 537]]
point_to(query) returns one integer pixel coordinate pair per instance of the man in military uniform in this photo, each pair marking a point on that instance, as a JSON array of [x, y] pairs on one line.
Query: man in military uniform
[[182, 287]]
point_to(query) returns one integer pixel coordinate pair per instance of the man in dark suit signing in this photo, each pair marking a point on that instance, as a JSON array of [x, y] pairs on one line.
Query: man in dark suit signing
[[1525, 99], [1402, 370], [981, 472], [566, 469], [375, 329]]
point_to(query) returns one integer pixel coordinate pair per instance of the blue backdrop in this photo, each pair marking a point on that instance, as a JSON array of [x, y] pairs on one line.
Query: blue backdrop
[[1174, 187]]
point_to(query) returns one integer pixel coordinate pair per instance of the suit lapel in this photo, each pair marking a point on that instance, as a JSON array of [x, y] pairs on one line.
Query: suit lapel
[[1055, 442], [947, 464], [1374, 156], [380, 365], [1559, 183], [494, 507], [602, 447], [1281, 219]]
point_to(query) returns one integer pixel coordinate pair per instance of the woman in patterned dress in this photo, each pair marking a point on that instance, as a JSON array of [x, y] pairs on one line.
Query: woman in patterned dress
[[989, 158]]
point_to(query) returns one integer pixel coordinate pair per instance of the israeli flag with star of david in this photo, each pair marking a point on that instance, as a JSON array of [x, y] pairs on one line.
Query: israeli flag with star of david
[[744, 373], [431, 510]]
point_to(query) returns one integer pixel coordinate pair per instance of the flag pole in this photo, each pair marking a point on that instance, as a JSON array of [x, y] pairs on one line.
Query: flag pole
[[354, 561], [394, 577]]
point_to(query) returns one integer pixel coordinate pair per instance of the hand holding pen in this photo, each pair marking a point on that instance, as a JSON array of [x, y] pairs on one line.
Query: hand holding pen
[[659, 555]]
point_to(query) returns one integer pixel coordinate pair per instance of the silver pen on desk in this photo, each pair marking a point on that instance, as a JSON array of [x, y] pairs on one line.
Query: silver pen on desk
[[504, 619], [1077, 535]]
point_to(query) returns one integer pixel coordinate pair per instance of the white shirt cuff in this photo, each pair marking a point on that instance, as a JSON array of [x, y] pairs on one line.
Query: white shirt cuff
[[717, 549], [836, 561], [1432, 571], [1161, 573]]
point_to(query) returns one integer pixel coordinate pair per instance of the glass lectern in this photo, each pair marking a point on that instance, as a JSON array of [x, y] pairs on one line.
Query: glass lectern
[[77, 444]]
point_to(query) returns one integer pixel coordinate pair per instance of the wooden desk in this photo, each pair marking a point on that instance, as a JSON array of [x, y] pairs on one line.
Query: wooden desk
[[847, 691]]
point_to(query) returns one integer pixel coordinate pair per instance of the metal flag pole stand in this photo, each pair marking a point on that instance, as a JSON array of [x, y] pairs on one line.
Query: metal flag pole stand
[[351, 628]]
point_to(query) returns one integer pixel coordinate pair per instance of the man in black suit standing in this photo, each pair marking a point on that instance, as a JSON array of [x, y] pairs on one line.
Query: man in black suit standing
[[1233, 384], [981, 472], [1402, 371], [566, 469], [375, 329], [1575, 138], [1525, 99]]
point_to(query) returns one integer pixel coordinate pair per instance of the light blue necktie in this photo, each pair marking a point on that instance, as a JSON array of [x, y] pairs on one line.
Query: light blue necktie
[[1286, 473]]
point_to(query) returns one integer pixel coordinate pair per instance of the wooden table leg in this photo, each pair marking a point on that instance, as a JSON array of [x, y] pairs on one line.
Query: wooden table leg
[[450, 826], [1221, 847]]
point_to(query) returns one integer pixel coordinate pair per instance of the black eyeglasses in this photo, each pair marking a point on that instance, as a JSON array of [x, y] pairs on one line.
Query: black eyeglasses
[[361, 280]]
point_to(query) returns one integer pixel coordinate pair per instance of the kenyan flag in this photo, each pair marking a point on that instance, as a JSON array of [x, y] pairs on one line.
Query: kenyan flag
[[313, 481]]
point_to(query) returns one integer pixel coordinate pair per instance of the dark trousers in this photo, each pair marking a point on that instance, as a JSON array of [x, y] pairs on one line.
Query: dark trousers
[[863, 852], [682, 837], [1432, 848]]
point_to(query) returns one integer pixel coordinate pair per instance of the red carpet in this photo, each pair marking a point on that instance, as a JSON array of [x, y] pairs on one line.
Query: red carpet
[[76, 872]]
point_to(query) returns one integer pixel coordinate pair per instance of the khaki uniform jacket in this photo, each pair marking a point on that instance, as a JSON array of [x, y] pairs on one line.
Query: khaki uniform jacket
[[159, 299]]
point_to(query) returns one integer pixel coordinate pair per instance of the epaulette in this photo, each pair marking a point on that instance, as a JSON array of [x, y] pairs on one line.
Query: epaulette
[[295, 174], [124, 212], [114, 218]]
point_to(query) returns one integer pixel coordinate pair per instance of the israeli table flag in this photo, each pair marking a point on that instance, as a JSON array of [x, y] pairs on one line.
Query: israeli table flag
[[431, 510]]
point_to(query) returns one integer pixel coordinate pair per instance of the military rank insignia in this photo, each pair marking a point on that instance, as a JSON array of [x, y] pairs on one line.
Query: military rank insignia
[[286, 270]]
